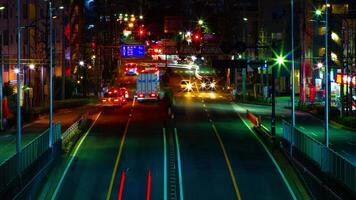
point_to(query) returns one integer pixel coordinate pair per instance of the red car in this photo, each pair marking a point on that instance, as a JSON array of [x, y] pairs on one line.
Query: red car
[[113, 98]]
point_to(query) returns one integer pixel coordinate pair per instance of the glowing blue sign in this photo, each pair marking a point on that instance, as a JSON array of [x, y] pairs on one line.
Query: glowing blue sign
[[132, 50]]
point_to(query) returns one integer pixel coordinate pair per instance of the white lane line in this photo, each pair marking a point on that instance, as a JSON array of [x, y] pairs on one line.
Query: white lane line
[[164, 165], [72, 158], [181, 193], [269, 154]]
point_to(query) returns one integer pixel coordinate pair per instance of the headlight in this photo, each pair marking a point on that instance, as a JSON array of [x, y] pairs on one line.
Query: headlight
[[189, 86], [212, 85]]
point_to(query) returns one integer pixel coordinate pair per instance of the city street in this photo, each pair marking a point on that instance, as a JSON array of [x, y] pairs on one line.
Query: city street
[[215, 155], [174, 100]]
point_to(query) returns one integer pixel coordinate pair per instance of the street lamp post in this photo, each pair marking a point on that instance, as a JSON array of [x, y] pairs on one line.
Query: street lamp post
[[292, 74], [1, 74], [327, 79], [273, 120], [18, 128], [50, 73]]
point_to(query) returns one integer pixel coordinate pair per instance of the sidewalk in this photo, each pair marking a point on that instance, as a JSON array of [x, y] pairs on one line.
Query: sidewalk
[[30, 131], [341, 140]]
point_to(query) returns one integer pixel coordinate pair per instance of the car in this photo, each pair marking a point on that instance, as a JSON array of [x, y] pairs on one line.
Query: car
[[113, 98], [207, 84], [186, 85], [124, 92]]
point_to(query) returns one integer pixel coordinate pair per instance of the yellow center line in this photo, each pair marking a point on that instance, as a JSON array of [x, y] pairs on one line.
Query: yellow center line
[[108, 194], [233, 179], [228, 163]]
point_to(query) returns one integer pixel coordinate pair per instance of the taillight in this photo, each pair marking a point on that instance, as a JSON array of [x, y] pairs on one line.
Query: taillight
[[126, 95], [141, 95], [116, 100], [153, 95], [103, 100]]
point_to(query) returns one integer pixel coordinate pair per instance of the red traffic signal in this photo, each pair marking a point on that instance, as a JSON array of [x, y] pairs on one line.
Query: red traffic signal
[[197, 37]]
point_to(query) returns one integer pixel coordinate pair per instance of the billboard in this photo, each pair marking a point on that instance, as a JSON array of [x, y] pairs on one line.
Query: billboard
[[134, 50]]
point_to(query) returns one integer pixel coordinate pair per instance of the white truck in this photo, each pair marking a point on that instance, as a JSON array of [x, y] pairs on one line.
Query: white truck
[[147, 87]]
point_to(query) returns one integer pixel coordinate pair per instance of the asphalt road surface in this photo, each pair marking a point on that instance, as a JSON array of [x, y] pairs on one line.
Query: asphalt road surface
[[202, 151]]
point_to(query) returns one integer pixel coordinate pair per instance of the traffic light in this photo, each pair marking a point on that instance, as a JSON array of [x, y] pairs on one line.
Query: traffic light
[[197, 37]]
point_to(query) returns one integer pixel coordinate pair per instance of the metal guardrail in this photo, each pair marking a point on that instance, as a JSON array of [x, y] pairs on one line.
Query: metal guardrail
[[17, 164], [329, 161], [73, 129]]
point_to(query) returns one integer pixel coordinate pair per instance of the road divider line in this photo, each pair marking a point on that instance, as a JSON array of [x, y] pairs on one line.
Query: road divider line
[[164, 165], [268, 153], [122, 182], [72, 158], [180, 177], [108, 194], [231, 172]]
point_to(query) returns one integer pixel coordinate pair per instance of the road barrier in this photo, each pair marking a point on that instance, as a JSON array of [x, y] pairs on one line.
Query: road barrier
[[253, 118], [16, 165], [74, 128], [329, 161]]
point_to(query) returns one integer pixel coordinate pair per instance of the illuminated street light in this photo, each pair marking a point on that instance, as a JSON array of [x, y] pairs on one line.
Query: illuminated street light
[[61, 7], [131, 25], [81, 63], [280, 60], [320, 65], [31, 66], [245, 19], [126, 19], [318, 12], [2, 7], [16, 70], [200, 22], [141, 17]]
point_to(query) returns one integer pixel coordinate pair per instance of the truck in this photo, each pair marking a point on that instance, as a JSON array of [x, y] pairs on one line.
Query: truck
[[147, 87]]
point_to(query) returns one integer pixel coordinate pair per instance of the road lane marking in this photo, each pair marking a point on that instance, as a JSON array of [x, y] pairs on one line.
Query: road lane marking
[[181, 193], [164, 165], [231, 172], [72, 158], [108, 194], [269, 154]]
